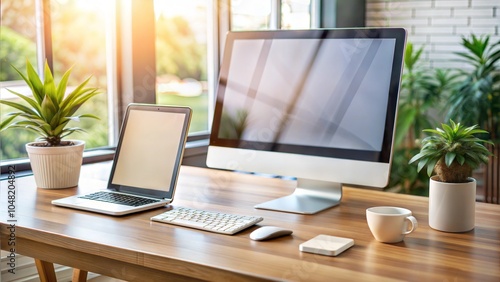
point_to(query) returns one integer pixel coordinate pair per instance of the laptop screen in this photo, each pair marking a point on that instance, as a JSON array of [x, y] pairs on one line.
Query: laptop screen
[[150, 149]]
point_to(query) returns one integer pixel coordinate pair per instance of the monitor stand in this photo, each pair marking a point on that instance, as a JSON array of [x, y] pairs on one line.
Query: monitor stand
[[310, 197]]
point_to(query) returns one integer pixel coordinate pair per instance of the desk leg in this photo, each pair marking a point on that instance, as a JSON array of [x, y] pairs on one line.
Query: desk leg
[[79, 275], [45, 271]]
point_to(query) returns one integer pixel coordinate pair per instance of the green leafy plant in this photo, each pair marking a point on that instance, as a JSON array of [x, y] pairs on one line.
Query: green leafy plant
[[49, 111], [476, 100], [453, 151]]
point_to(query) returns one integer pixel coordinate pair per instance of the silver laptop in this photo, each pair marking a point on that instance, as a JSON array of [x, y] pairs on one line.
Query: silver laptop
[[146, 163]]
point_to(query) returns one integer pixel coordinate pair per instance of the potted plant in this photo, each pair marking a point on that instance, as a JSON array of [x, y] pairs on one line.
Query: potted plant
[[55, 162], [452, 152]]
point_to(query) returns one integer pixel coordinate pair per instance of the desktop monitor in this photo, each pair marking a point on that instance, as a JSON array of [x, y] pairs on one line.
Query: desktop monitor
[[318, 105]]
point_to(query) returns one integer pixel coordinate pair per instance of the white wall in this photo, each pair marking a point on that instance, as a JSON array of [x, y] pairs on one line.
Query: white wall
[[437, 24]]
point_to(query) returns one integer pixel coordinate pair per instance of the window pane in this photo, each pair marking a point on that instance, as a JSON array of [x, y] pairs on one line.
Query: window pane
[[250, 15], [18, 43], [79, 40], [181, 57], [296, 14]]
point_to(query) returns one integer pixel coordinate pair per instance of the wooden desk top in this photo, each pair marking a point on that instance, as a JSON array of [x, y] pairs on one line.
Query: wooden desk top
[[134, 248]]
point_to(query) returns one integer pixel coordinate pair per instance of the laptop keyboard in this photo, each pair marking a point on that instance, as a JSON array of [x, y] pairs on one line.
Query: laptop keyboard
[[118, 198], [218, 222]]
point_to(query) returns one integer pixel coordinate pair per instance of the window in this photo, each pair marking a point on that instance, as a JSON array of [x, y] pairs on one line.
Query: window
[[78, 38]]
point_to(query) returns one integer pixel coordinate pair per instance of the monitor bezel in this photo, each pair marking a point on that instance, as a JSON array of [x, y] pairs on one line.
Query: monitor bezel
[[384, 156]]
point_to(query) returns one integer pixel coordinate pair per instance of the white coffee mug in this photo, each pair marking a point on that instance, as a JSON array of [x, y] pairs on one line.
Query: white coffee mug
[[390, 224]]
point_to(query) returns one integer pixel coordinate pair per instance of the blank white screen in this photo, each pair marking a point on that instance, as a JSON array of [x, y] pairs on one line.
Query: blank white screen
[[149, 150]]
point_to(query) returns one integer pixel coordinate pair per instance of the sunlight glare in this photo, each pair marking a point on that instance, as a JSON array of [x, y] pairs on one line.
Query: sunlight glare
[[173, 8], [97, 6]]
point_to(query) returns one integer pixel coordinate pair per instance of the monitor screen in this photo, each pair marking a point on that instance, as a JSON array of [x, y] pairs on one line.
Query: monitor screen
[[315, 98]]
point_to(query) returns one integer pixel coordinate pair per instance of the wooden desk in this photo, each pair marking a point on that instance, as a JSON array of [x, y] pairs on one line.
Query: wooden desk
[[136, 249]]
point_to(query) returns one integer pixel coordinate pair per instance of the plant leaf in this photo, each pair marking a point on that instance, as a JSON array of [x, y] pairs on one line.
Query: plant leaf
[[77, 103], [460, 159], [75, 93], [48, 109], [430, 166], [30, 101], [50, 89], [35, 82], [6, 122], [18, 106], [421, 164], [72, 130], [61, 88], [449, 158]]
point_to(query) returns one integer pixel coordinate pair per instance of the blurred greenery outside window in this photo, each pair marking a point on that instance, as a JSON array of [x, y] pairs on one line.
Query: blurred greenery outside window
[[187, 53], [181, 57]]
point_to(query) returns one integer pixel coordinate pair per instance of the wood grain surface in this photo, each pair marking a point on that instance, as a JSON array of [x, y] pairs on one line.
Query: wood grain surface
[[134, 248]]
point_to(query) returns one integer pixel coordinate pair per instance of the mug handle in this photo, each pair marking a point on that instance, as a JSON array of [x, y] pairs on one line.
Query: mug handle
[[414, 224]]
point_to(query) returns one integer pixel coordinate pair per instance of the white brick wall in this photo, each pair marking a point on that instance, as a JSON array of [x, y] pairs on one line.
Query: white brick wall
[[438, 25]]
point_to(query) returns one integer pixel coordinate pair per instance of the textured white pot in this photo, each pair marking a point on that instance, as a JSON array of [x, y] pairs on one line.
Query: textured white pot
[[452, 206], [56, 167]]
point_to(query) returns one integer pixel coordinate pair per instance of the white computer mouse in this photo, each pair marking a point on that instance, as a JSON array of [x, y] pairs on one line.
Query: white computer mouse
[[269, 232]]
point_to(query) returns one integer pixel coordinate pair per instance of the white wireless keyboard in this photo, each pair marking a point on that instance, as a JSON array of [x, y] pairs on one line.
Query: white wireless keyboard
[[217, 222]]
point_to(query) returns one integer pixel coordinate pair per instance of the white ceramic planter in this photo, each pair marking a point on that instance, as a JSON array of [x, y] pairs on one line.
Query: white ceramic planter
[[452, 206], [56, 167]]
